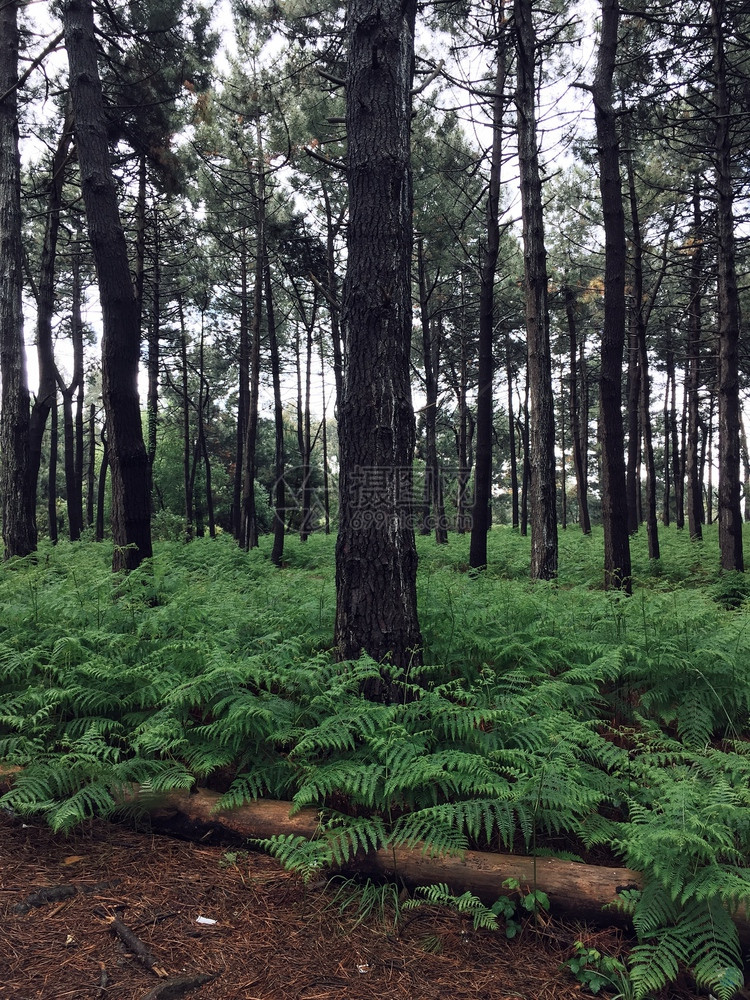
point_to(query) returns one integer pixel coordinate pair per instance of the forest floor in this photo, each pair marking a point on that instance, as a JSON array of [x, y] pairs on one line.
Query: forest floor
[[272, 937]]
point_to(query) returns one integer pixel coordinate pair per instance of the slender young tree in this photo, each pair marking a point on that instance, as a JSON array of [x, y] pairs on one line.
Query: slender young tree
[[543, 501], [131, 500], [19, 522], [483, 458], [376, 558]]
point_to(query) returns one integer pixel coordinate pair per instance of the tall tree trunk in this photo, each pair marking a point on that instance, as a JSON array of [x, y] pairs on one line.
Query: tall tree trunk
[[692, 382], [45, 304], [279, 492], [511, 434], [243, 391], [101, 491], [249, 528], [745, 469], [480, 521], [584, 520], [91, 468], [201, 408], [563, 457], [72, 434], [431, 361], [644, 385], [632, 472], [52, 474], [333, 227], [131, 499], [730, 514], [187, 439], [376, 557], [617, 568], [154, 335], [523, 427], [19, 506], [543, 505]]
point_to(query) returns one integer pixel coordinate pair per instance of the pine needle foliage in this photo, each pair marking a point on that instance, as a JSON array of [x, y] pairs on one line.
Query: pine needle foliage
[[547, 716]]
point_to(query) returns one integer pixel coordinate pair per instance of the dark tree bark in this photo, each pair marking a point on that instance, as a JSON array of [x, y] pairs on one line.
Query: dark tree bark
[[187, 438], [249, 522], [640, 312], [52, 473], [633, 466], [480, 521], [45, 301], [584, 520], [91, 467], [543, 500], [243, 390], [730, 514], [511, 434], [101, 489], [279, 492], [19, 514], [433, 494], [154, 337], [617, 568], [131, 499], [692, 382], [73, 423], [376, 558]]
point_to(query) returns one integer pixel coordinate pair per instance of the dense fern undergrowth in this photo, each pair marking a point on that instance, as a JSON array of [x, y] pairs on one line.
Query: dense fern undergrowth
[[547, 716]]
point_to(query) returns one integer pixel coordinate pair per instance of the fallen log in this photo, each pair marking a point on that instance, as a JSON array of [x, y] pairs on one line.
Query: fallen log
[[574, 889]]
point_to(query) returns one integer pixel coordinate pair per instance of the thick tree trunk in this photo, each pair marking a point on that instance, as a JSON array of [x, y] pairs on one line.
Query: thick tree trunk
[[617, 568], [376, 558], [19, 513], [730, 514], [543, 505], [480, 521], [131, 499]]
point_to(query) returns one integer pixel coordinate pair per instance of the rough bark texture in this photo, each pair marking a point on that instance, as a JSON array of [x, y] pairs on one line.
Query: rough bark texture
[[617, 569], [480, 522], [376, 559], [131, 500], [542, 497], [730, 515], [19, 522]]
